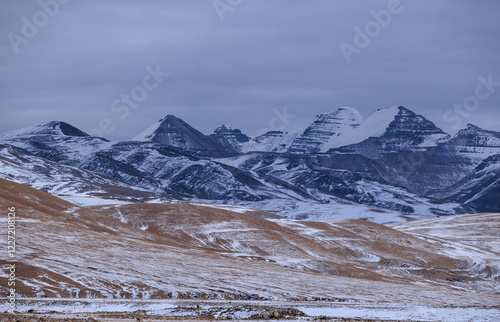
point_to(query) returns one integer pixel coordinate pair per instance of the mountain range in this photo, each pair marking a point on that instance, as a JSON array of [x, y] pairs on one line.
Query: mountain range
[[395, 165]]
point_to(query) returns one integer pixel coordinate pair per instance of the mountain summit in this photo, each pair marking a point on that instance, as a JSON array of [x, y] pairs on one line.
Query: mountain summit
[[49, 128], [173, 131], [398, 130], [230, 138], [324, 128], [414, 130]]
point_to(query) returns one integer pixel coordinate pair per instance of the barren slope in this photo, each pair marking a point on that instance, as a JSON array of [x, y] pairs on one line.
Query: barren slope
[[185, 251], [352, 248]]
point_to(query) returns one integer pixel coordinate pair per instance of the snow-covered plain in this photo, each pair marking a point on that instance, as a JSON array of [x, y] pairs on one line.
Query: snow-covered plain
[[245, 309]]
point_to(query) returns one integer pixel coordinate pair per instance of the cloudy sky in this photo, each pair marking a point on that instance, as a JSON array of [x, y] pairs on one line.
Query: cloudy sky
[[116, 67]]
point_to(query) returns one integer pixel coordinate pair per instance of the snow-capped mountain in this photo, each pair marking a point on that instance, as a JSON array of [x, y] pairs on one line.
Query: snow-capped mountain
[[231, 139], [375, 125], [441, 167], [54, 128], [172, 131], [272, 141], [55, 141], [384, 131], [325, 129], [476, 143], [394, 159], [406, 131], [70, 183]]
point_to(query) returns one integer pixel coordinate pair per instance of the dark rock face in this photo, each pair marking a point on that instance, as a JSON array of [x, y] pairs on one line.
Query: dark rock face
[[231, 139], [407, 132], [173, 131], [409, 129], [479, 189], [70, 130], [55, 128], [408, 166]]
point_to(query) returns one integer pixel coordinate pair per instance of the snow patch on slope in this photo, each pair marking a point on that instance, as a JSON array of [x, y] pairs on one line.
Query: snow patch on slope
[[374, 126], [148, 133], [326, 127], [272, 141]]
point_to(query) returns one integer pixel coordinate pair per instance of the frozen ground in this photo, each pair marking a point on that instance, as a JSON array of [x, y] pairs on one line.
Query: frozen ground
[[153, 256], [195, 309]]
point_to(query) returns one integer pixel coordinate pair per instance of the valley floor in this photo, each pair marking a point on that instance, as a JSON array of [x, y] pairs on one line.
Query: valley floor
[[185, 310]]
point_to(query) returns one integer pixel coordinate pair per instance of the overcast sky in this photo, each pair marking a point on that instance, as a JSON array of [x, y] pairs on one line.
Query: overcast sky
[[102, 65]]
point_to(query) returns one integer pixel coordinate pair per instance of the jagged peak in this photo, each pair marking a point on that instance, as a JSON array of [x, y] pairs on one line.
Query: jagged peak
[[169, 121], [225, 128], [473, 127], [172, 119], [470, 128], [169, 117], [404, 110], [344, 110]]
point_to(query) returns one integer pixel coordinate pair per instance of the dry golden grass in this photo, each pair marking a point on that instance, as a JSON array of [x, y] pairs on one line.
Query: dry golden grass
[[189, 251]]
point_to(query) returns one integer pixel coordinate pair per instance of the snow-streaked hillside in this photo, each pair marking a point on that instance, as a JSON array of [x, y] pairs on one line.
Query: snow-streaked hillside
[[56, 141], [476, 143], [473, 238], [481, 187], [187, 251], [70, 183], [325, 128], [331, 186], [272, 141]]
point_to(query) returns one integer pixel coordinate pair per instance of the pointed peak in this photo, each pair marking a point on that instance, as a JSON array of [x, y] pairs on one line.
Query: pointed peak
[[347, 115], [69, 130], [165, 124], [468, 129], [341, 110], [169, 118], [347, 109], [224, 128], [471, 126], [404, 111]]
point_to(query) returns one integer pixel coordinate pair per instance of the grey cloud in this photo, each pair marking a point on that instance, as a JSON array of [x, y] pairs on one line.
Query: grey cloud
[[264, 55]]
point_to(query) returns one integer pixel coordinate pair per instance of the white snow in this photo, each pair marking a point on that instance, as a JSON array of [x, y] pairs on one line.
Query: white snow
[[397, 312], [147, 133], [373, 126], [28, 130], [234, 208], [183, 308], [267, 142], [432, 140]]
